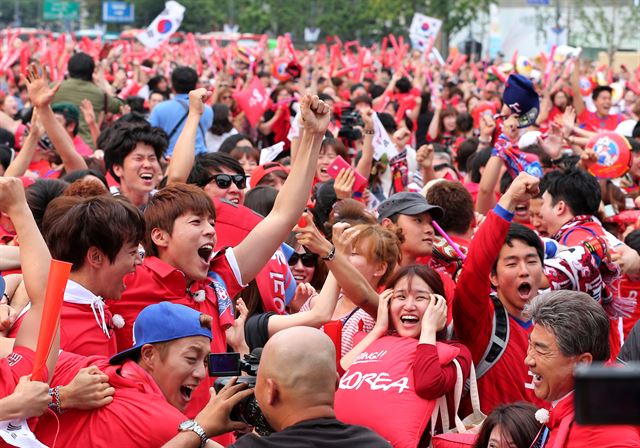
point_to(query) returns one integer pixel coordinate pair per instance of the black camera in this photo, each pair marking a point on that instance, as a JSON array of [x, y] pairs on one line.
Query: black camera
[[607, 395], [227, 365], [350, 120]]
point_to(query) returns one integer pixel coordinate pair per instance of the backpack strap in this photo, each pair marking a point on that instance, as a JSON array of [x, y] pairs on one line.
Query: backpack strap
[[498, 341], [184, 117]]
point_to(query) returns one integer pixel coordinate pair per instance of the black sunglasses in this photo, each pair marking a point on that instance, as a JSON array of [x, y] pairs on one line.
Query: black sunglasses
[[224, 180], [308, 260]]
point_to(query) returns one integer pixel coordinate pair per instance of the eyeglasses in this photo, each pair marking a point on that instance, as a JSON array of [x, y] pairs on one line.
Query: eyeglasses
[[308, 260], [224, 180]]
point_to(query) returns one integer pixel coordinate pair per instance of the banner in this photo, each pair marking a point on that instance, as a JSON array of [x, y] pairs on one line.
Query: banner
[[163, 26], [253, 101], [382, 144]]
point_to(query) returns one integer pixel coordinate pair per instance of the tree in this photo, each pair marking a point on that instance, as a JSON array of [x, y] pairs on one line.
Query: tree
[[604, 26]]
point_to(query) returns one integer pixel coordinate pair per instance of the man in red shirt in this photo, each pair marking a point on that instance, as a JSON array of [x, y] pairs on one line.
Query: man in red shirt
[[181, 236], [21, 398], [600, 120], [102, 256], [507, 257], [570, 328], [154, 381]]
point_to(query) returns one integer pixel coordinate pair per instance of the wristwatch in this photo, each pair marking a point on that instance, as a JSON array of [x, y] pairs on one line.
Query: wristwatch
[[331, 254], [192, 425]]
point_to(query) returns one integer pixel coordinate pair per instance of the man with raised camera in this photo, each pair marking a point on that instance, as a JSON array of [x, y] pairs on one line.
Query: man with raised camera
[[295, 389]]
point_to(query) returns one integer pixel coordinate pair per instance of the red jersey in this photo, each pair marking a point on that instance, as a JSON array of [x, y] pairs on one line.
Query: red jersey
[[155, 281], [18, 364], [138, 416], [565, 433], [81, 334], [590, 121], [508, 380]]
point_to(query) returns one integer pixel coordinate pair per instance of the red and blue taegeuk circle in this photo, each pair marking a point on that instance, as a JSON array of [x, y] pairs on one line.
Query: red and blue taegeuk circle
[[425, 26], [164, 26]]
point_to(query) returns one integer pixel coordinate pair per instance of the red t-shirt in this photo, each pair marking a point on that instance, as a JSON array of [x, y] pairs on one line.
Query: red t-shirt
[[18, 364], [156, 281], [509, 379], [138, 416], [590, 121], [82, 148]]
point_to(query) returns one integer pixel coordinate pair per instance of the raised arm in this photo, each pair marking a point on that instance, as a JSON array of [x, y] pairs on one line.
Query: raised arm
[[21, 163], [321, 312], [578, 102], [254, 251], [486, 195], [41, 96], [185, 149], [366, 160], [34, 261]]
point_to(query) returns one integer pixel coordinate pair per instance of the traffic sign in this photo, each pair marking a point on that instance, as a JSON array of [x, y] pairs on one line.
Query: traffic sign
[[60, 10], [117, 12]]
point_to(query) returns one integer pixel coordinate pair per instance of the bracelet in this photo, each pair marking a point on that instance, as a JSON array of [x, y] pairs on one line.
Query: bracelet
[[331, 254], [55, 405]]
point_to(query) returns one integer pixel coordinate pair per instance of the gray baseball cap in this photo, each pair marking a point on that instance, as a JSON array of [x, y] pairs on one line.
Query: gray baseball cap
[[408, 203]]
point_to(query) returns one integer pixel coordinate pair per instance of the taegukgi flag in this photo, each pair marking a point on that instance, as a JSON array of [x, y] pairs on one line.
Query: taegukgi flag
[[163, 26]]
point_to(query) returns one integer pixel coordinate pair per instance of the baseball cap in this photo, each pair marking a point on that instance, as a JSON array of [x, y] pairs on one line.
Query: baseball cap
[[162, 322], [522, 99], [265, 169], [407, 203]]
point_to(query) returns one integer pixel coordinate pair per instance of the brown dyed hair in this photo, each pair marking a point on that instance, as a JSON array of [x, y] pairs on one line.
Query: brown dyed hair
[[337, 146], [457, 203], [86, 189], [169, 204], [428, 275], [378, 244], [71, 225]]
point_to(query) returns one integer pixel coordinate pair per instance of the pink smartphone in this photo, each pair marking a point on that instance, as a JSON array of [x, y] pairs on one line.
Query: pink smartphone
[[339, 163]]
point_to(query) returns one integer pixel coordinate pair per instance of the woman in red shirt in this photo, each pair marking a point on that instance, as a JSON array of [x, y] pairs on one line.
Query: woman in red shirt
[[399, 365]]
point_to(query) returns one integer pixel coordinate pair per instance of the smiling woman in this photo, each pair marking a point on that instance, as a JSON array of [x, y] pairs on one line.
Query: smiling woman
[[402, 345]]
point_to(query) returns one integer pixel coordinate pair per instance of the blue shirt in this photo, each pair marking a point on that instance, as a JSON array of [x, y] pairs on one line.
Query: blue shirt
[[168, 114]]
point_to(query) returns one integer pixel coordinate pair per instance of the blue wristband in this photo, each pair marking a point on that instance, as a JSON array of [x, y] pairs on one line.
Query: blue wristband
[[503, 213]]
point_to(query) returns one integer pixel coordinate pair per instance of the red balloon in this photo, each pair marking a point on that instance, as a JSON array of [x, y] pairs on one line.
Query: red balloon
[[613, 152]]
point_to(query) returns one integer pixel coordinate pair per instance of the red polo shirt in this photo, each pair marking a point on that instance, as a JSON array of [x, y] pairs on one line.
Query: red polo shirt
[[81, 334], [138, 416], [155, 281]]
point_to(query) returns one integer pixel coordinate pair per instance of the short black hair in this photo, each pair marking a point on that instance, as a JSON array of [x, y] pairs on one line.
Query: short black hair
[[466, 149], [577, 188], [40, 194], [388, 122], [598, 90], [80, 174], [184, 79], [231, 142], [356, 86], [518, 232], [403, 85], [477, 161], [122, 138], [464, 122], [81, 66], [136, 104], [211, 161], [633, 240]]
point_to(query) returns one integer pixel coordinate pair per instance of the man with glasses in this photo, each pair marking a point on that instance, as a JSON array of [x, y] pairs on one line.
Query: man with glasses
[[220, 176]]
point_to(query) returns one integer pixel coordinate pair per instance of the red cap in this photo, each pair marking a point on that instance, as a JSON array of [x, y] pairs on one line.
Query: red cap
[[265, 169]]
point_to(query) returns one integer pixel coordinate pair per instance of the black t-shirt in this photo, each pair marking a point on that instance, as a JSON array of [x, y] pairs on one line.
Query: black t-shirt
[[319, 433], [256, 330]]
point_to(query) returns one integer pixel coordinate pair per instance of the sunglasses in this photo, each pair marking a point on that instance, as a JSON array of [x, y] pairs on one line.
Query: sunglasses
[[224, 180], [308, 260]]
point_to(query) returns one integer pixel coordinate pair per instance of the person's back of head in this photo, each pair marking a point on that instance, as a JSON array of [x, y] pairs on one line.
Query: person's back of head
[[465, 151], [577, 188], [261, 199], [184, 79], [297, 372], [403, 85], [81, 66], [221, 123], [457, 203], [476, 164], [40, 194]]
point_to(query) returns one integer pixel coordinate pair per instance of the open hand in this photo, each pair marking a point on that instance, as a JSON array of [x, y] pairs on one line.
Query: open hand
[[382, 319], [38, 88]]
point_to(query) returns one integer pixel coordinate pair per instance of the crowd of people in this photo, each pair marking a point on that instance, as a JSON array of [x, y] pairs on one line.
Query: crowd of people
[[415, 253]]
